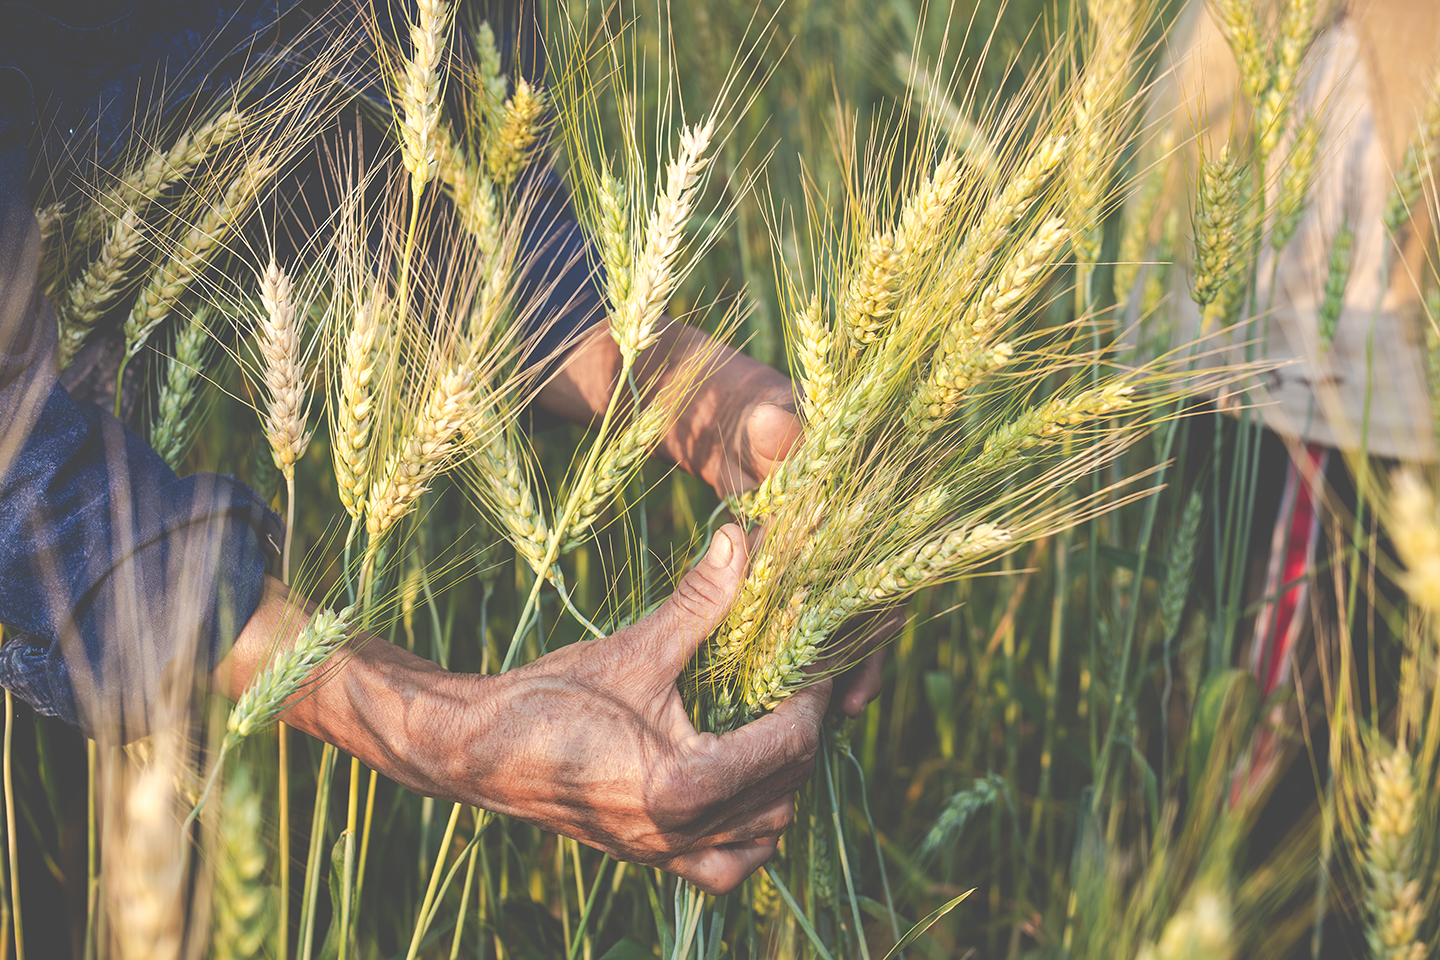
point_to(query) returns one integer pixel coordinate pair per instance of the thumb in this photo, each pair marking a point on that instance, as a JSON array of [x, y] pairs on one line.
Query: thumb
[[700, 601]]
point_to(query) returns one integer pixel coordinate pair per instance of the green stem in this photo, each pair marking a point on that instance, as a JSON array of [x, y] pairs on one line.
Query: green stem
[[558, 532], [799, 914], [313, 857], [282, 945], [120, 382], [589, 906], [346, 883], [423, 921], [844, 856]]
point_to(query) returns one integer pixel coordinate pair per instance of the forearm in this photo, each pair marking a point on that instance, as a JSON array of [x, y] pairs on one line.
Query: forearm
[[393, 710]]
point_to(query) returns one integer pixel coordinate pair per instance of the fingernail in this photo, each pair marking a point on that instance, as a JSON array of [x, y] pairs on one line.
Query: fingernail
[[722, 548]]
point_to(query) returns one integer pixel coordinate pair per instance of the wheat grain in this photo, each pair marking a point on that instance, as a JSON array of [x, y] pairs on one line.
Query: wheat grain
[[354, 407], [171, 434], [516, 134], [420, 91], [279, 343]]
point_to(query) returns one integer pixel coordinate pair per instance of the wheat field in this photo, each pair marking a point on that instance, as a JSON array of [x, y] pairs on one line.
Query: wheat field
[[1023, 295]]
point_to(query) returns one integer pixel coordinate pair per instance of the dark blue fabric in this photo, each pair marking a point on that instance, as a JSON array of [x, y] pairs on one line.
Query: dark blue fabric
[[116, 576]]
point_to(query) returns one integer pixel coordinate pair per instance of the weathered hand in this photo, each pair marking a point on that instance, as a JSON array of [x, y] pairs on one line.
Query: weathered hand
[[593, 741]]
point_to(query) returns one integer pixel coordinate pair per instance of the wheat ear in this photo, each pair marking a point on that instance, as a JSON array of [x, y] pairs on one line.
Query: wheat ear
[[423, 453], [279, 341], [1416, 533], [964, 358], [1396, 899], [1239, 23], [420, 91], [1296, 178], [515, 136], [85, 300], [1217, 233], [269, 694], [502, 466], [175, 275], [171, 435], [1204, 927], [1413, 172], [633, 322], [1139, 219], [873, 292], [354, 407], [1049, 422], [805, 623], [617, 462], [472, 193], [1337, 279], [242, 900], [989, 233], [143, 185], [813, 353], [145, 869]]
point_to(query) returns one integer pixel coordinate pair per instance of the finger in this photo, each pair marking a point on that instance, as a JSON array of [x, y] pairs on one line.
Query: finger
[[771, 431], [770, 820], [699, 604], [860, 685], [774, 754], [719, 870]]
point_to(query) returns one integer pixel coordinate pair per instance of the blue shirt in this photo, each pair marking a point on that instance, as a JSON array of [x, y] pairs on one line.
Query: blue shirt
[[116, 576]]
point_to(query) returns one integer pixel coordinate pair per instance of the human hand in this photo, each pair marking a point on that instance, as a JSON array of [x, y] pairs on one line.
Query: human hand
[[591, 741], [739, 421]]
